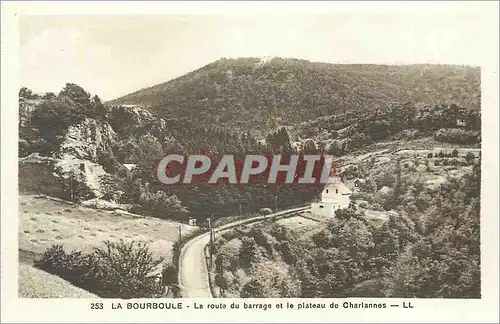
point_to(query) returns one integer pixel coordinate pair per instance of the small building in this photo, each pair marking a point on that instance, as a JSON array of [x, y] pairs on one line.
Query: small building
[[336, 195]]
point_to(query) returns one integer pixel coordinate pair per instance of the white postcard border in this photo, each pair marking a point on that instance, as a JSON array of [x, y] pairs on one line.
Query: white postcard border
[[78, 310]]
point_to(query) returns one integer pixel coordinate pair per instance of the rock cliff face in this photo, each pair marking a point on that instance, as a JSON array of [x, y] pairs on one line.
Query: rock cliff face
[[71, 170], [85, 140], [26, 107], [68, 178]]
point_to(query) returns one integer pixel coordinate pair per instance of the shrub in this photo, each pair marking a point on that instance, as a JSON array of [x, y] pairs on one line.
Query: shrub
[[74, 265], [248, 251], [119, 270], [363, 204], [266, 211], [160, 205], [261, 238]]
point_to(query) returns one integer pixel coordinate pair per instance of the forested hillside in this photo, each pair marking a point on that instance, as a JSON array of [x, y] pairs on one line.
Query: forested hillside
[[428, 247], [255, 94], [227, 107]]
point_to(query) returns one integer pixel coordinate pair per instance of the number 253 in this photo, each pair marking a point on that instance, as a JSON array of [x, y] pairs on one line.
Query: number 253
[[96, 306]]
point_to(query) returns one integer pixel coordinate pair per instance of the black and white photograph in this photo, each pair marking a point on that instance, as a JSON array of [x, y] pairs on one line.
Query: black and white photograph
[[173, 156]]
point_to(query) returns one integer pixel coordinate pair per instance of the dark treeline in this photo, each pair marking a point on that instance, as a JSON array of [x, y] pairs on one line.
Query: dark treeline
[[143, 138], [360, 127]]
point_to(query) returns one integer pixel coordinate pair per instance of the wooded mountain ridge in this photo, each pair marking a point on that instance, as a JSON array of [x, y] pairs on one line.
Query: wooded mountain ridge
[[252, 94]]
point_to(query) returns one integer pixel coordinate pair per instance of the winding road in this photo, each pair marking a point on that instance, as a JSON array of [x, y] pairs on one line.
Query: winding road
[[193, 270]]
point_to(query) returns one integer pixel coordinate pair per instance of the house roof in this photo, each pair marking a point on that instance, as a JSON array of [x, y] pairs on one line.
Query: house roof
[[342, 188]]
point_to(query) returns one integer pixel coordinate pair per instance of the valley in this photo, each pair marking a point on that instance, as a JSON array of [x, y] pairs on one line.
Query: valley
[[408, 146]]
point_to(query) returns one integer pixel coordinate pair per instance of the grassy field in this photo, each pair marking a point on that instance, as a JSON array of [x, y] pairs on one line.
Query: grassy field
[[303, 225], [44, 222]]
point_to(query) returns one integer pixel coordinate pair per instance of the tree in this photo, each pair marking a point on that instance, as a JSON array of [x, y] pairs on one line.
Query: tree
[[222, 282], [52, 119], [308, 147], [163, 206], [98, 107], [169, 275], [248, 251], [147, 151], [368, 186], [279, 141], [125, 269], [253, 289], [49, 95], [289, 288], [77, 94], [470, 157], [27, 94]]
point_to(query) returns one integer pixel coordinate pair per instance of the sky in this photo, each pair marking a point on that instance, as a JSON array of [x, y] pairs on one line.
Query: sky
[[115, 55]]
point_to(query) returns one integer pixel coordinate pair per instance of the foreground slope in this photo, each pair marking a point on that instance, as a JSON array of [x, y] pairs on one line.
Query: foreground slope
[[35, 283]]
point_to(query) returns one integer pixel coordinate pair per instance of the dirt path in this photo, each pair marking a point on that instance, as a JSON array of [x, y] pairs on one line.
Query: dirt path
[[193, 271]]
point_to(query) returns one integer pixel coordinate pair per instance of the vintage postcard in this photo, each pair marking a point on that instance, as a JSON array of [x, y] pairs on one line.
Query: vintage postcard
[[263, 162]]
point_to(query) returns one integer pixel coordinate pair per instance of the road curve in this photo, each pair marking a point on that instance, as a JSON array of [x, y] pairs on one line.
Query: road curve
[[193, 271]]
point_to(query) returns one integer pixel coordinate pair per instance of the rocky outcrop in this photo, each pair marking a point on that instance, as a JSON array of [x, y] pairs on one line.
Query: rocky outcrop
[[86, 139], [67, 178], [26, 108]]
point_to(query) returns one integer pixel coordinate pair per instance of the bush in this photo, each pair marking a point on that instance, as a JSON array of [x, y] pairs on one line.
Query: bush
[[363, 204], [266, 211], [119, 270], [470, 157], [248, 251], [456, 136], [253, 289], [160, 205]]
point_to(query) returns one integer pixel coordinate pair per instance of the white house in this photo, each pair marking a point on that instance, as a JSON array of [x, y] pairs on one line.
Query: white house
[[334, 196]]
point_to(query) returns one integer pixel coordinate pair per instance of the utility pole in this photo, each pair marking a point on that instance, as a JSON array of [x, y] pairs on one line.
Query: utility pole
[[180, 232], [211, 240]]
